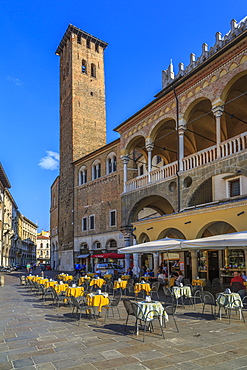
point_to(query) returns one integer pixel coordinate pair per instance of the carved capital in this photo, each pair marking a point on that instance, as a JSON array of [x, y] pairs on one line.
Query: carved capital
[[125, 159], [218, 110]]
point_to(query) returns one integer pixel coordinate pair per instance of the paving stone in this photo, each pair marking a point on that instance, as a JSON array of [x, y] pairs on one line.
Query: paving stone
[[6, 366], [19, 364], [148, 355], [136, 365], [159, 363], [45, 366], [112, 353], [110, 364]]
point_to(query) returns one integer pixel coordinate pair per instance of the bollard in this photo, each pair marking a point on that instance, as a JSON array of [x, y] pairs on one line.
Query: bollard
[[1, 280]]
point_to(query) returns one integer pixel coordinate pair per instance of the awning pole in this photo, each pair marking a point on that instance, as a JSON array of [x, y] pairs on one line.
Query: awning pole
[[168, 268]]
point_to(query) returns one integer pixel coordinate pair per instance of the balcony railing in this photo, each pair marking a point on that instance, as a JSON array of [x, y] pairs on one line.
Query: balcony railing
[[227, 148]]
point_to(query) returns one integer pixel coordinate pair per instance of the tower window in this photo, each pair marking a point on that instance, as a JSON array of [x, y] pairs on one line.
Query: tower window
[[96, 171], [97, 48], [84, 66], [84, 224], [88, 44], [113, 218], [78, 39], [93, 70], [91, 222]]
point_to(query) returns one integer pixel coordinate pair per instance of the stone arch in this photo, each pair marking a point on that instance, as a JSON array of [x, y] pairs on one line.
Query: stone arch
[[230, 83], [215, 228], [137, 142], [164, 137], [111, 163], [158, 204], [234, 97], [82, 175], [143, 238], [171, 233], [200, 126], [111, 243]]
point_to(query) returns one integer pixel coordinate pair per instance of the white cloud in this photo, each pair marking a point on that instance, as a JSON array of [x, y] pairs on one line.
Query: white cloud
[[14, 80], [50, 161]]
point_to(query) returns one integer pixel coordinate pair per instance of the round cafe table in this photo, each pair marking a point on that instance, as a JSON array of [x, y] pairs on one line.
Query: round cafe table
[[61, 287], [142, 286], [50, 283], [97, 300], [120, 284], [76, 292], [98, 282], [82, 279]]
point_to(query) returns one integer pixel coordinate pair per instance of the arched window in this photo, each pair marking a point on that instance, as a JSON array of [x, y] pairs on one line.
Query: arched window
[[96, 170], [84, 66], [82, 175], [93, 70], [111, 244], [111, 163]]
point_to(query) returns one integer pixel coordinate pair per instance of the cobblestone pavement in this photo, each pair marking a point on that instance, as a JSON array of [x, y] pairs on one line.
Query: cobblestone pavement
[[37, 335]]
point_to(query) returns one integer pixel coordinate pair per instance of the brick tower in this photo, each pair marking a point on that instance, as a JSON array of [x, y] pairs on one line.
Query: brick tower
[[82, 120]]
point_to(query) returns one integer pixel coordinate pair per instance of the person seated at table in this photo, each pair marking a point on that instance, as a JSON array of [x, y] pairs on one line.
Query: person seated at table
[[161, 276], [237, 283], [129, 272], [149, 273], [179, 278], [98, 273], [115, 275]]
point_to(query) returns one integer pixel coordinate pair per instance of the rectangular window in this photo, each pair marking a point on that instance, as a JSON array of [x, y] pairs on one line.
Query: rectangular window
[[88, 43], [113, 218], [91, 222], [234, 187], [97, 48], [78, 39], [84, 224]]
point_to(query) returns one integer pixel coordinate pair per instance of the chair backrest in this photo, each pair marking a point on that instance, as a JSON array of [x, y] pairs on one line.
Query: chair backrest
[[172, 308], [74, 302], [117, 294], [236, 286], [155, 286], [208, 298], [167, 291], [128, 306], [136, 310], [196, 288], [185, 281], [216, 282], [131, 281]]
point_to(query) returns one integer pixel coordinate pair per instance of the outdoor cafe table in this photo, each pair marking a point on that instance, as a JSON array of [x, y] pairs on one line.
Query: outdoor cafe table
[[184, 291], [120, 284], [142, 286], [61, 287], [125, 277], [170, 281], [42, 281], [75, 291], [82, 279], [150, 309], [98, 282], [201, 282], [97, 300], [50, 283], [229, 300], [108, 276], [34, 278], [65, 277]]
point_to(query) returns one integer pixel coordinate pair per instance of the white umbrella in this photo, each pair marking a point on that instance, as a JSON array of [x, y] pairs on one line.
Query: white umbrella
[[220, 242], [161, 245]]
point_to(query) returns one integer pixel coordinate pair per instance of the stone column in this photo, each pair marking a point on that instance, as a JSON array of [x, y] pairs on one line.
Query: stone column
[[181, 130], [156, 262], [217, 111], [149, 147], [127, 239], [125, 159], [194, 264]]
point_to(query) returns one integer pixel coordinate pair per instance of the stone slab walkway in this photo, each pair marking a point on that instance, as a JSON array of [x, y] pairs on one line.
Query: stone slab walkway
[[37, 335]]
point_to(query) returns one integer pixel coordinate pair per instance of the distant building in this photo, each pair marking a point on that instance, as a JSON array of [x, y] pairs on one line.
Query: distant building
[[43, 247], [17, 232]]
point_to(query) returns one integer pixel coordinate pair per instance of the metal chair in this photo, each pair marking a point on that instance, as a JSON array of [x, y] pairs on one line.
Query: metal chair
[[58, 297], [155, 289], [80, 305], [148, 319], [208, 299], [113, 303], [171, 311], [129, 310]]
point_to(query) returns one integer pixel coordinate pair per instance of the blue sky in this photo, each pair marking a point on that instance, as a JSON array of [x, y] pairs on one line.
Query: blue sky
[[143, 37]]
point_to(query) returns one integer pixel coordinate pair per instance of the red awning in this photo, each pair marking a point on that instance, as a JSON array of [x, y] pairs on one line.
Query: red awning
[[109, 255]]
